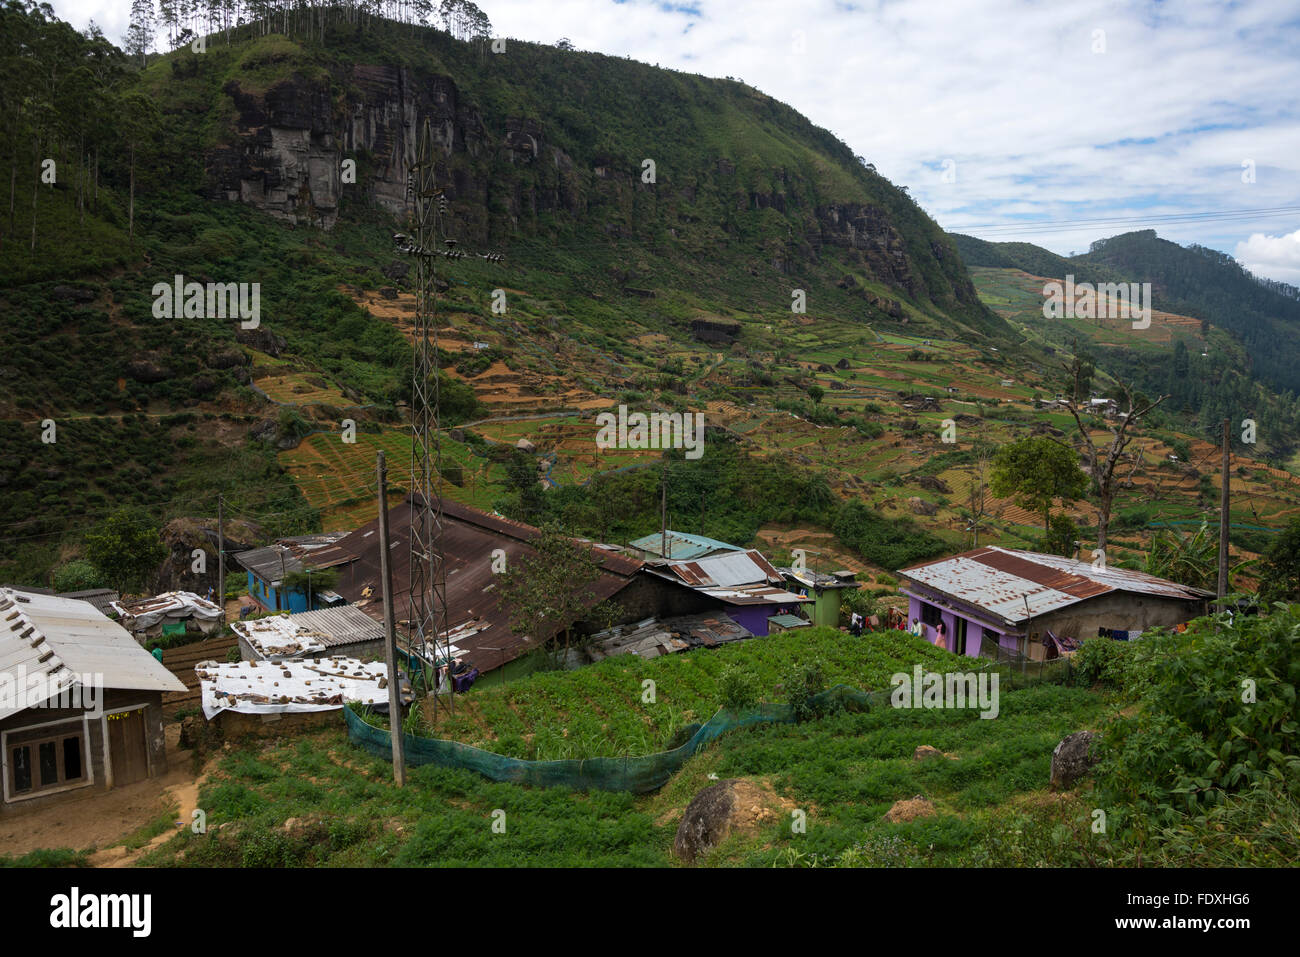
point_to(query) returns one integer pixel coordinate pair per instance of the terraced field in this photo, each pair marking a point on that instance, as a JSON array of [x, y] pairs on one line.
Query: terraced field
[[538, 364]]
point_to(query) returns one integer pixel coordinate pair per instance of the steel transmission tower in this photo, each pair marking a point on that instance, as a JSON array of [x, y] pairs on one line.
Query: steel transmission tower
[[427, 625]]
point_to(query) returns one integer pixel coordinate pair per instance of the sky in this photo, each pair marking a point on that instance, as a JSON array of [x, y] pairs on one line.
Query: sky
[[1055, 122]]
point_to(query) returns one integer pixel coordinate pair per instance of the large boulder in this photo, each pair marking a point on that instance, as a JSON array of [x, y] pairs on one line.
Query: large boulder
[[735, 804], [1073, 758]]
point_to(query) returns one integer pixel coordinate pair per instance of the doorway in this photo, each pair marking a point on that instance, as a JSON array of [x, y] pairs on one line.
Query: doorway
[[128, 751], [959, 636]]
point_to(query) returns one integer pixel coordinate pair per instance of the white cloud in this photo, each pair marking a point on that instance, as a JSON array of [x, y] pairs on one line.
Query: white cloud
[[1277, 257], [1040, 126]]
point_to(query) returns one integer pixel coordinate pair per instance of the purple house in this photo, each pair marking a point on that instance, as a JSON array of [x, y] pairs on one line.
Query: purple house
[[995, 601]]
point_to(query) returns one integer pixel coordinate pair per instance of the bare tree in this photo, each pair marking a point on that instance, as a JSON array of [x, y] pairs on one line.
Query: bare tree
[[1102, 459], [977, 497]]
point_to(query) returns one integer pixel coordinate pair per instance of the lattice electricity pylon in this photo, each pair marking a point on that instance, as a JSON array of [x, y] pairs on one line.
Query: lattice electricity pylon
[[427, 625]]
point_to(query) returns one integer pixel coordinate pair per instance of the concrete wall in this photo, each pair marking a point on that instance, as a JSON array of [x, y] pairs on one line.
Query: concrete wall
[[647, 596], [234, 724], [1122, 610]]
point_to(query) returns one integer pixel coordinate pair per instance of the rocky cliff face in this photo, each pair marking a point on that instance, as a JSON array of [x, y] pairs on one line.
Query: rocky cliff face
[[286, 150], [289, 145]]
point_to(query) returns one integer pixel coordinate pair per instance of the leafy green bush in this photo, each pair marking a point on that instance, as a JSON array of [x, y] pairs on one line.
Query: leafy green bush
[[78, 575], [802, 682], [1103, 661], [1217, 719], [738, 688]]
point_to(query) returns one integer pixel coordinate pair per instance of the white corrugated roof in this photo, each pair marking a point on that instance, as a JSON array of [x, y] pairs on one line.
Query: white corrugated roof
[[75, 639], [308, 633]]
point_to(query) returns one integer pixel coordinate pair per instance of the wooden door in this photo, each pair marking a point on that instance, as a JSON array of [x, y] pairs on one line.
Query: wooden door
[[127, 748]]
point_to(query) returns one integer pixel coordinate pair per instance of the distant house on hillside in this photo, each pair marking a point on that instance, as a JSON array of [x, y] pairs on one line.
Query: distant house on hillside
[[823, 591], [279, 573], [80, 700], [994, 601]]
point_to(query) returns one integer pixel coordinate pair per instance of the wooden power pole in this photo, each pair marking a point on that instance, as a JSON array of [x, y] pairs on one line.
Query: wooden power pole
[[221, 556], [1224, 517], [390, 632], [663, 513]]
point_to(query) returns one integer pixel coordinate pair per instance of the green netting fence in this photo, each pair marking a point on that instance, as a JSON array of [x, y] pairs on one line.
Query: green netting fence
[[644, 773], [640, 774]]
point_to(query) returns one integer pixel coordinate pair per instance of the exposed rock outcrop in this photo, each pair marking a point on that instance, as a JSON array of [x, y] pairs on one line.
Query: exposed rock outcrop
[[735, 804], [1073, 758]]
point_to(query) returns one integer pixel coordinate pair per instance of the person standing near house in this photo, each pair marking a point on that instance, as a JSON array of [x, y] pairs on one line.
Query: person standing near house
[[916, 627], [941, 635]]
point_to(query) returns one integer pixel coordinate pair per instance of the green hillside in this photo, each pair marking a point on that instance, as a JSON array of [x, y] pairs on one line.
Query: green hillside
[[1219, 351]]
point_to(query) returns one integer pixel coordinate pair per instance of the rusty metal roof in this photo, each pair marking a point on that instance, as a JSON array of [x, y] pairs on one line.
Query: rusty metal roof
[[1016, 585], [736, 578], [727, 569], [478, 622]]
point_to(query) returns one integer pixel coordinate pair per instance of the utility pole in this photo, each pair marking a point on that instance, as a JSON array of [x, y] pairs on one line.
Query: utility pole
[[663, 513], [390, 632], [221, 556], [1224, 517], [429, 622]]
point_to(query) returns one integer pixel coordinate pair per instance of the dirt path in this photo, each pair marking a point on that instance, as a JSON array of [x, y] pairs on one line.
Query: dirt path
[[184, 795]]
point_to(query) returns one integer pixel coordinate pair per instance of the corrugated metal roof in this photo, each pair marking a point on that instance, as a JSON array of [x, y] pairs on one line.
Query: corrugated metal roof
[[308, 632], [1016, 586], [270, 563], [654, 636], [811, 579], [682, 545], [101, 598], [67, 638], [789, 621], [287, 556], [736, 578], [732, 568], [478, 622]]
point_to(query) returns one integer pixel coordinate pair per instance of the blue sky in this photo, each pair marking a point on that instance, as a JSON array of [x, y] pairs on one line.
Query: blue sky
[[1076, 118]]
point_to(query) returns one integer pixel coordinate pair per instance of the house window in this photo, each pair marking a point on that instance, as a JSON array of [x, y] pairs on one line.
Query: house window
[[930, 615], [49, 758]]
